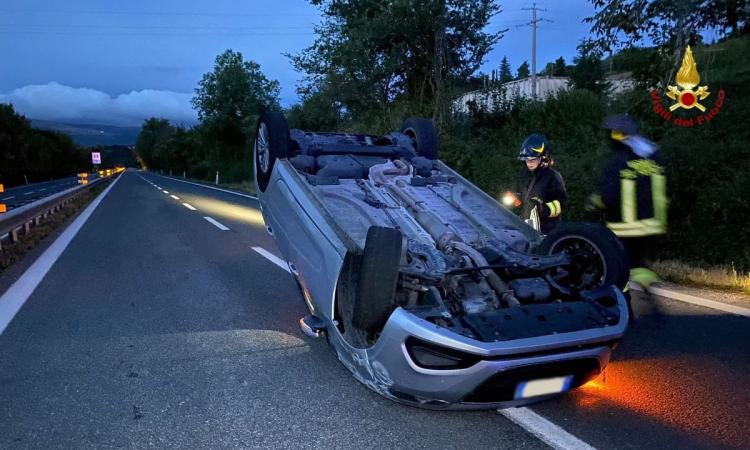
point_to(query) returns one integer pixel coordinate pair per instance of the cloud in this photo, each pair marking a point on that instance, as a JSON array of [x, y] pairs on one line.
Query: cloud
[[54, 101]]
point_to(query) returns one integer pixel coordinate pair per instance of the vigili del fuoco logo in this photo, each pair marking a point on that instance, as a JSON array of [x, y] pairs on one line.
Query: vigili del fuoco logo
[[687, 97]]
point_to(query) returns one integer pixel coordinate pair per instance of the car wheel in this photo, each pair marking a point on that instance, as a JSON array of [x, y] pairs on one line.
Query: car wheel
[[374, 300], [598, 257], [423, 134], [271, 143]]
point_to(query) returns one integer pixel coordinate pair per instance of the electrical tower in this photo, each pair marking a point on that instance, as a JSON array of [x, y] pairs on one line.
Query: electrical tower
[[534, 21]]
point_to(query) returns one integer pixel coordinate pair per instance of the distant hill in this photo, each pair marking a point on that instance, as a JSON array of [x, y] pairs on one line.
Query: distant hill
[[88, 135]]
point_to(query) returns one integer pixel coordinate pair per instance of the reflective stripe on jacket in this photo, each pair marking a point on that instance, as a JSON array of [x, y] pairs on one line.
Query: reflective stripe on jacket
[[634, 192]]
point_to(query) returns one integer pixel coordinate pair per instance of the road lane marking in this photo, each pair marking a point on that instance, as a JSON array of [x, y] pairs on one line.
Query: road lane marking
[[166, 192], [8, 198], [29, 193], [189, 206], [42, 189], [210, 187], [273, 258], [175, 197], [686, 298], [14, 298], [543, 429], [215, 222]]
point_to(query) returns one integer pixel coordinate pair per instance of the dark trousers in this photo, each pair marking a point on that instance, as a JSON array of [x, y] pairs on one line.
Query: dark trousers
[[637, 249]]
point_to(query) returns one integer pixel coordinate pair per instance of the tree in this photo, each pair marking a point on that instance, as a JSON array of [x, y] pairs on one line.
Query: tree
[[505, 73], [152, 146], [523, 70], [559, 70], [625, 23], [234, 94], [588, 72], [372, 54], [668, 24]]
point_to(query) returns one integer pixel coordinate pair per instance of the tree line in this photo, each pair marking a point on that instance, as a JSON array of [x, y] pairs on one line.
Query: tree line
[[31, 155]]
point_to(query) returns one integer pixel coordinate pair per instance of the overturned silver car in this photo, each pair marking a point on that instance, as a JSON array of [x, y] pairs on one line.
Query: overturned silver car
[[429, 291]]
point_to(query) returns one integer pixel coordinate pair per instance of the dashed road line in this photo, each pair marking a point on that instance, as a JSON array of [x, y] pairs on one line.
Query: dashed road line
[[175, 197], [14, 298], [273, 258], [217, 223], [209, 187], [8, 198], [166, 192], [686, 298], [189, 206], [29, 193], [543, 429]]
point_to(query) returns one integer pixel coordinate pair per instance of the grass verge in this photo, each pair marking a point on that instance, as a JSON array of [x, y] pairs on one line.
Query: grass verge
[[721, 277]]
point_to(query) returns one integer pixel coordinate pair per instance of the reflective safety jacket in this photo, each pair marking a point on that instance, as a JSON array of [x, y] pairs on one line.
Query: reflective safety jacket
[[545, 189], [633, 190]]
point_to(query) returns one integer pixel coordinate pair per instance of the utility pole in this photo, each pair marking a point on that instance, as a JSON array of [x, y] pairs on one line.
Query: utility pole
[[534, 21]]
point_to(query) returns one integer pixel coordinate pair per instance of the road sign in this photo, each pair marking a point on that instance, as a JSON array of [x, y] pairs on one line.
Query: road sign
[[96, 158]]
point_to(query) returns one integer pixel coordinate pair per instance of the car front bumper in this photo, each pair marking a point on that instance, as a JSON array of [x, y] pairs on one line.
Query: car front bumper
[[497, 367]]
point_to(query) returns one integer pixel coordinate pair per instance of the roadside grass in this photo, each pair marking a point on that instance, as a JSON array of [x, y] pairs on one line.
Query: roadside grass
[[247, 187], [719, 277]]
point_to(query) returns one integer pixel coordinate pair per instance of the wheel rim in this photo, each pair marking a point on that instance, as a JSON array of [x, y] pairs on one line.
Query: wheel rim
[[587, 260], [262, 148]]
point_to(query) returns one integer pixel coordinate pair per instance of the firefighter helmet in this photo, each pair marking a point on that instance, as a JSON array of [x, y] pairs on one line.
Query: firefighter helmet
[[534, 146]]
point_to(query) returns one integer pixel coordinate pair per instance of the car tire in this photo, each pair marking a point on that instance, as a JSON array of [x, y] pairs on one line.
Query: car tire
[[374, 299], [423, 134], [587, 242], [271, 143]]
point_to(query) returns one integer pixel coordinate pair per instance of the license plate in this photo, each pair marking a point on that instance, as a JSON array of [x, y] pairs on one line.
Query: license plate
[[544, 386]]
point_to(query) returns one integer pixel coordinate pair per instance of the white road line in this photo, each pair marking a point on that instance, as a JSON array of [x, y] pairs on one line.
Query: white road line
[[680, 297], [14, 298], [8, 198], [273, 258], [189, 206], [217, 223], [166, 192], [209, 187], [42, 189], [543, 429], [29, 193], [175, 197]]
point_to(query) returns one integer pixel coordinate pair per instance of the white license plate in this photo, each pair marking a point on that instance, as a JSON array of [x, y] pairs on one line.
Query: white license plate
[[544, 386]]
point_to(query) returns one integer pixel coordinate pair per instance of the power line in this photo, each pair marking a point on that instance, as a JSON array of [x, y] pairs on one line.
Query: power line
[[151, 13], [153, 27]]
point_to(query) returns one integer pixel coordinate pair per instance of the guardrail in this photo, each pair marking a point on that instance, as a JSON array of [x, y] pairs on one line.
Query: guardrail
[[25, 217]]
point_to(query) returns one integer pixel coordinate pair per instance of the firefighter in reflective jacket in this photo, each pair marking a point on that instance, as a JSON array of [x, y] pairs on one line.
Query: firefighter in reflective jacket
[[541, 187], [632, 192]]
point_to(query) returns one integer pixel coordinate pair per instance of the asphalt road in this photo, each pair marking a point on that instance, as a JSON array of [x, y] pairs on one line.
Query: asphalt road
[[158, 327], [21, 195]]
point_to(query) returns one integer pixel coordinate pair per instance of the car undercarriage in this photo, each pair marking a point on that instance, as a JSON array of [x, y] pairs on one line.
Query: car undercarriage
[[411, 236]]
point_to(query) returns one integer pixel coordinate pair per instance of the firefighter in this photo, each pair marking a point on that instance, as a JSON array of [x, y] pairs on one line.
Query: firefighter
[[632, 194], [541, 188]]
